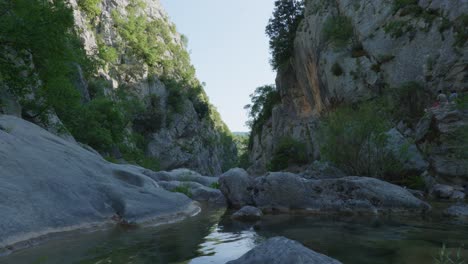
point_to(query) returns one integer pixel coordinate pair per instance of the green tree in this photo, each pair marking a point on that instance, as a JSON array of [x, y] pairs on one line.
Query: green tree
[[281, 29], [263, 100]]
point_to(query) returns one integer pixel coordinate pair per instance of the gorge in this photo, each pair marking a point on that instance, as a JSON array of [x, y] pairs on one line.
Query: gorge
[[111, 152]]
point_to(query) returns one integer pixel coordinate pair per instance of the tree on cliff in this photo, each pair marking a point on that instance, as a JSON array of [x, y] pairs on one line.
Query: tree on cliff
[[281, 29]]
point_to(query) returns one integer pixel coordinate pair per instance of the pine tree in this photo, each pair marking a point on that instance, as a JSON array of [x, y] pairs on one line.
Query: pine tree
[[281, 29]]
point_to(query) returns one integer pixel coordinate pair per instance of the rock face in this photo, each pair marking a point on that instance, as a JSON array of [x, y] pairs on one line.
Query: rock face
[[176, 121], [283, 192], [247, 213], [282, 250], [389, 47], [51, 185], [195, 191]]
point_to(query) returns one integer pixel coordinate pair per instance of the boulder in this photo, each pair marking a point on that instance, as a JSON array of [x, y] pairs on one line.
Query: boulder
[[286, 191], [279, 250], [459, 210], [236, 185], [441, 191], [247, 213], [195, 191], [52, 185]]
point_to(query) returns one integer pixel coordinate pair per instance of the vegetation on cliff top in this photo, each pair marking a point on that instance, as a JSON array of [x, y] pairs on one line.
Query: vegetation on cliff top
[[281, 30]]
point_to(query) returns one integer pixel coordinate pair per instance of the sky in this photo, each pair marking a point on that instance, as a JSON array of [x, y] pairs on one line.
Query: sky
[[229, 49]]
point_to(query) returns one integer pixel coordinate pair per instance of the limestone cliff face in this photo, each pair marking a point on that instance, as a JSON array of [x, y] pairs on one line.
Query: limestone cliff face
[[389, 47], [139, 52]]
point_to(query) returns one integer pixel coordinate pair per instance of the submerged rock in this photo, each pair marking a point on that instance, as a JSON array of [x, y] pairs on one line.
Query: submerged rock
[[279, 250], [286, 191], [51, 185], [247, 213], [236, 185]]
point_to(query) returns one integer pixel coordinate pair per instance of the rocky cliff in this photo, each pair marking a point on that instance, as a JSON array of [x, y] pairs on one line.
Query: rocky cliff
[[347, 52], [136, 74]]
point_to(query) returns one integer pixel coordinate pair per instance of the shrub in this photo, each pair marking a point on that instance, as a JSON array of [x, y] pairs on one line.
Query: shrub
[[183, 188], [260, 110], [288, 152], [108, 54], [396, 29], [460, 28], [281, 29], [353, 137], [409, 101], [445, 257], [214, 185], [91, 7], [338, 30], [398, 4]]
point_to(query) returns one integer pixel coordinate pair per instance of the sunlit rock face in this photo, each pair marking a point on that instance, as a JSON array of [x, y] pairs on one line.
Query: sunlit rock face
[[388, 47]]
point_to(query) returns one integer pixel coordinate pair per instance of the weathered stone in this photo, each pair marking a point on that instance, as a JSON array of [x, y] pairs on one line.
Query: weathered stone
[[236, 185], [52, 185], [182, 175], [459, 210], [247, 213], [442, 191], [195, 191], [279, 250], [354, 195], [322, 170], [458, 196]]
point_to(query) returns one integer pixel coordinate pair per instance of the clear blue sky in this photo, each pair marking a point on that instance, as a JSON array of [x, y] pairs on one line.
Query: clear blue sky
[[229, 49]]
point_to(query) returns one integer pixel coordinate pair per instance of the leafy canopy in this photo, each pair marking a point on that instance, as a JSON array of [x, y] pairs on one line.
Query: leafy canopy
[[281, 29]]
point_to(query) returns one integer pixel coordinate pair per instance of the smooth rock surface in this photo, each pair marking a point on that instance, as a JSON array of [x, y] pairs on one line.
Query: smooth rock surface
[[51, 185], [280, 250], [196, 191], [247, 213], [236, 185], [183, 175]]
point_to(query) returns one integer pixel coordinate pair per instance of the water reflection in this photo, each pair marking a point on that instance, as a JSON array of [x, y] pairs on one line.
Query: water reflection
[[212, 237]]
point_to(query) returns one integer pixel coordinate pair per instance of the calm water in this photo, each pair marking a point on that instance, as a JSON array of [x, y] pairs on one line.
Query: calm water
[[212, 237]]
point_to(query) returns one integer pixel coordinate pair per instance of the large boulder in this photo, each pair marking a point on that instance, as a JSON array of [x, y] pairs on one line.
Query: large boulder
[[236, 185], [247, 213], [52, 185], [286, 191], [195, 191], [280, 250]]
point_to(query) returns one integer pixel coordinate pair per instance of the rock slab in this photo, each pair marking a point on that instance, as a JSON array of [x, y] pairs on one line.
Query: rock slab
[[51, 185], [280, 250]]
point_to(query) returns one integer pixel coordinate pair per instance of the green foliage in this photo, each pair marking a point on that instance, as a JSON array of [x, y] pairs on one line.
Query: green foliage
[[108, 54], [445, 257], [397, 29], [263, 100], [353, 137], [409, 101], [414, 182], [460, 28], [462, 102], [91, 7], [135, 155], [152, 42], [288, 152], [336, 69], [183, 188], [214, 185], [176, 96], [150, 119], [398, 4], [338, 30], [281, 29], [242, 144]]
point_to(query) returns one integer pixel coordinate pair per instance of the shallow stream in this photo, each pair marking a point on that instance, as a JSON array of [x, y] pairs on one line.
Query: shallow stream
[[212, 237]]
